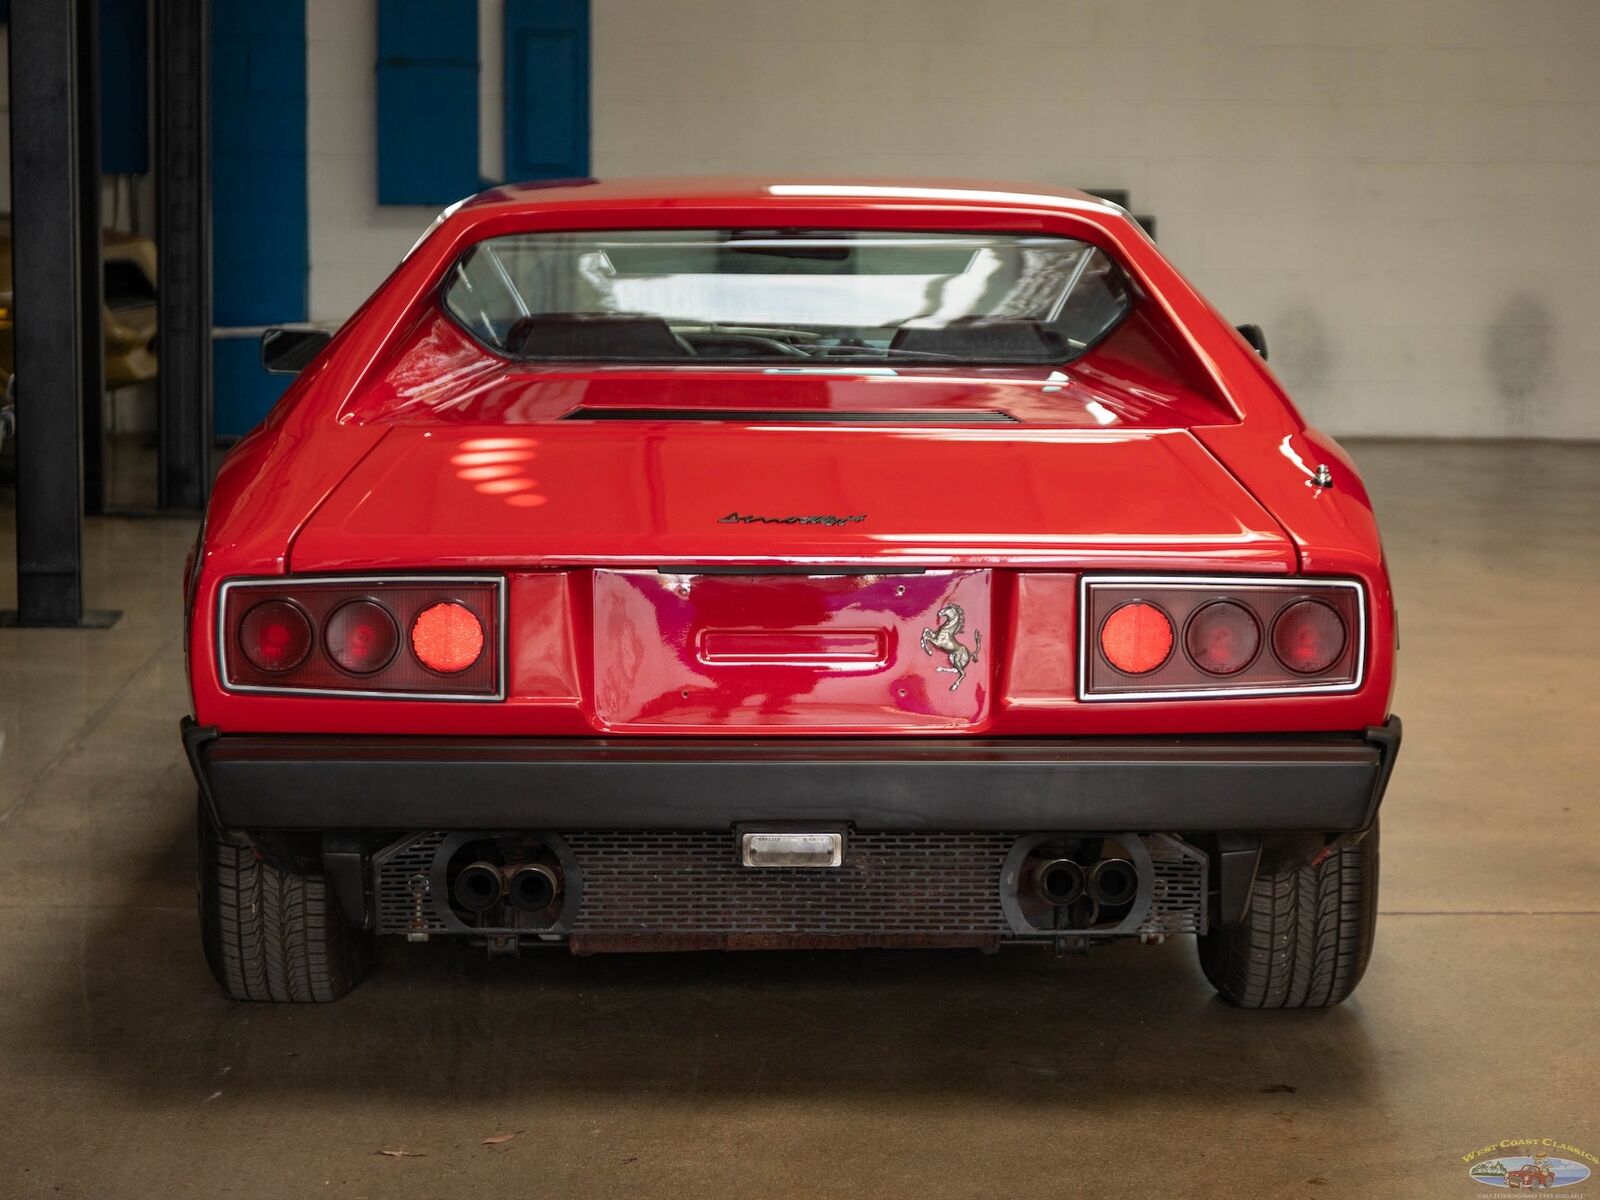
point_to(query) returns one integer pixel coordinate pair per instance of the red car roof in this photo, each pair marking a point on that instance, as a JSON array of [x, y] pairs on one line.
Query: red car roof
[[782, 191]]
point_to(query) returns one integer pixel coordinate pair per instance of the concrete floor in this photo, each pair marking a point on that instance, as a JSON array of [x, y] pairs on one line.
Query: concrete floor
[[123, 1072]]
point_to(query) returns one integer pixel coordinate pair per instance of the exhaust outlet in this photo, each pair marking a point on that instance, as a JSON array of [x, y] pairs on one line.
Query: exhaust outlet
[[532, 887], [1058, 881], [478, 887], [1113, 882]]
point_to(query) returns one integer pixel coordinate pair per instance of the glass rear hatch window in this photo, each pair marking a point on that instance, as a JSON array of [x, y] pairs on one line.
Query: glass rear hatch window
[[792, 297]]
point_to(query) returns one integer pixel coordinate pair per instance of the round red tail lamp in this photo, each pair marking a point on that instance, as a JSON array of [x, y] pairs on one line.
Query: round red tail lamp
[[362, 637], [1136, 638], [447, 637], [275, 636], [1308, 637], [1222, 638]]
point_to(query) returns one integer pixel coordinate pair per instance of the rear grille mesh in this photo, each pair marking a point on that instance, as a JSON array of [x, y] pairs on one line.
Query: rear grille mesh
[[692, 883], [900, 884], [1180, 887], [400, 875]]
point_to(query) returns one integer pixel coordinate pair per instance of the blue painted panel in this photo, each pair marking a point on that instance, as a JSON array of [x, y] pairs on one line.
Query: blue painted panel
[[547, 89], [244, 392], [260, 239], [428, 31], [427, 101], [427, 133], [124, 87]]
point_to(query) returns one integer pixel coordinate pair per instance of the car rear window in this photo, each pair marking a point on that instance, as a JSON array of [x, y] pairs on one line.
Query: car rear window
[[786, 296]]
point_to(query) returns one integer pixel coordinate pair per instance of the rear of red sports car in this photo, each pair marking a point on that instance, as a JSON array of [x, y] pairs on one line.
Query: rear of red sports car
[[734, 565]]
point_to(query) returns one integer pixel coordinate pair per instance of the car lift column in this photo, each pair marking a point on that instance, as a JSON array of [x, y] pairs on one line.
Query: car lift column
[[183, 246], [91, 294], [45, 283]]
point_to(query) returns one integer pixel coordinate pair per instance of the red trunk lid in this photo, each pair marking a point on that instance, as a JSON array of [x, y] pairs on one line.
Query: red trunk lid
[[683, 493]]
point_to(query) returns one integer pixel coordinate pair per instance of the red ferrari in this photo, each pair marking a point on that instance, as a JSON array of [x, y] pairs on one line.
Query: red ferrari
[[738, 564]]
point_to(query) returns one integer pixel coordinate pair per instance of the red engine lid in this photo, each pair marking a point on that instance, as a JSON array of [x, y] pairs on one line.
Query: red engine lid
[[647, 493]]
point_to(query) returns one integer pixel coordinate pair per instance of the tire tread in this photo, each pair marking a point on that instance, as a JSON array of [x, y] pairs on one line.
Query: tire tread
[[1306, 937], [271, 933]]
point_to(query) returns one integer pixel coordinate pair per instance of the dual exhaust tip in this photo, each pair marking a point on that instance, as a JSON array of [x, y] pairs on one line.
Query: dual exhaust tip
[[1110, 883], [527, 887]]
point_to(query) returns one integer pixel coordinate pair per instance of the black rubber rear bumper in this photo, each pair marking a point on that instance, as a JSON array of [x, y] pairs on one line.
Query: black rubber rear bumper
[[1325, 783]]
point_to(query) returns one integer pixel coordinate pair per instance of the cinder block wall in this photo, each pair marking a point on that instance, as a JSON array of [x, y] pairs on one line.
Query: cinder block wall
[[1400, 192]]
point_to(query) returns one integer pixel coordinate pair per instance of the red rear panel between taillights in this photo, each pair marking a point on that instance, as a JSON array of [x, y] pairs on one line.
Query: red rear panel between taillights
[[414, 637], [1188, 637], [602, 651]]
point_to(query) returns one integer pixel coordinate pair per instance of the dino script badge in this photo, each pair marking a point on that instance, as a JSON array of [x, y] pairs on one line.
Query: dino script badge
[[951, 622]]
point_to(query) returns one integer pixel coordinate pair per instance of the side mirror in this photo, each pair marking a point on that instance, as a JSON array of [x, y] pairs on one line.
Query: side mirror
[[288, 351], [1253, 335]]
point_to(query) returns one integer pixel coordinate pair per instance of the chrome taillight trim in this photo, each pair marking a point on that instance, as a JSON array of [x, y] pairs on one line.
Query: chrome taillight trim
[[1202, 583], [289, 582]]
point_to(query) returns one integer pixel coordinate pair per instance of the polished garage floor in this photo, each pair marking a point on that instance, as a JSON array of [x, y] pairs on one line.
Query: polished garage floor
[[124, 1073]]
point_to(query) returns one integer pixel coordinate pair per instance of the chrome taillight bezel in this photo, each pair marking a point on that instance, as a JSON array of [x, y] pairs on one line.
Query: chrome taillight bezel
[[1215, 587], [284, 586]]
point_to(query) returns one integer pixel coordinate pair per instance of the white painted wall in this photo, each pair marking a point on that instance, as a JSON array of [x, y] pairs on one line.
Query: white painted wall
[[355, 242], [1400, 192]]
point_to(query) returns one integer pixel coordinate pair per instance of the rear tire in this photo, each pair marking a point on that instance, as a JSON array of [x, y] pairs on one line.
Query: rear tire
[[1306, 936], [272, 932]]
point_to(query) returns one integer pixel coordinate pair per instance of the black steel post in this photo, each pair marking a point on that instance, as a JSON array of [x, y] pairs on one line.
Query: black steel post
[[183, 244], [92, 288], [45, 279]]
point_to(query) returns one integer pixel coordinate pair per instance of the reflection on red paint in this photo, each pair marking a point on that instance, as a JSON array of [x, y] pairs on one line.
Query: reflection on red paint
[[476, 458]]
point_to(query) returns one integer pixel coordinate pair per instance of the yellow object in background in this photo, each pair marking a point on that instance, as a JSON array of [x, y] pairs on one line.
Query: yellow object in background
[[128, 314]]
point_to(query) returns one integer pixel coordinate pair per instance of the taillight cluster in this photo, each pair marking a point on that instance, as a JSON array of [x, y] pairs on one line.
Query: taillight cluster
[[420, 637], [1172, 637]]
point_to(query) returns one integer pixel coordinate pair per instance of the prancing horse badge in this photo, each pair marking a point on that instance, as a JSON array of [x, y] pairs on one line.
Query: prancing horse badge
[[951, 622]]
